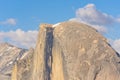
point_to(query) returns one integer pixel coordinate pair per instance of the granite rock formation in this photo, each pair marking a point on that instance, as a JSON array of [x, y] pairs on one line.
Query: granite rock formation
[[9, 56], [73, 51], [64, 51], [22, 68]]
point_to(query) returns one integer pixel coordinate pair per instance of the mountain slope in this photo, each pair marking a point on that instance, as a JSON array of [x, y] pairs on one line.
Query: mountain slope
[[9, 55]]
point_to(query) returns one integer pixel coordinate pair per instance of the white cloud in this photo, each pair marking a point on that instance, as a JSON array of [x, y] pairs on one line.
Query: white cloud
[[10, 21], [100, 28], [97, 19], [118, 20], [90, 14], [20, 38], [116, 45]]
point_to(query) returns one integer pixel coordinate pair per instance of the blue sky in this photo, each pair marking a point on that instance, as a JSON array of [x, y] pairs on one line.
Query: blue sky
[[21, 18], [30, 13]]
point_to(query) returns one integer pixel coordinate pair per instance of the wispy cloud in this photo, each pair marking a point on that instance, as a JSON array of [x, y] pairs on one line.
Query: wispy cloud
[[116, 45], [20, 38], [92, 16], [10, 21]]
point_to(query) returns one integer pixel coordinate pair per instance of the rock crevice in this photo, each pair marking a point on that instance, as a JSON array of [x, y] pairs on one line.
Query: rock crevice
[[48, 52]]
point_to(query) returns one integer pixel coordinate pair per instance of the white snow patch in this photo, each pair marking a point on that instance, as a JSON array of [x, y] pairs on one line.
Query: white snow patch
[[10, 62], [9, 48], [56, 25], [25, 54]]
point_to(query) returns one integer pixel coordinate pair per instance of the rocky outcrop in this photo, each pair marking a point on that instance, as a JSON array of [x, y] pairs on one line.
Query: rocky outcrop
[[9, 56], [22, 68], [73, 51], [14, 71]]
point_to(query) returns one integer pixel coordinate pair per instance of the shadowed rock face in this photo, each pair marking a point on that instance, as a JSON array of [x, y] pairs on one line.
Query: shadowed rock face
[[73, 51]]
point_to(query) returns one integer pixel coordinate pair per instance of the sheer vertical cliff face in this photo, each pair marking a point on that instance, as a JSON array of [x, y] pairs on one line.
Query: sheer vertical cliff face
[[73, 51], [42, 55], [43, 65], [57, 72]]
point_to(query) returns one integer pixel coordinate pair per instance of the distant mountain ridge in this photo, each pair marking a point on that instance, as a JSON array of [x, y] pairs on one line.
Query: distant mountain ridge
[[9, 55]]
